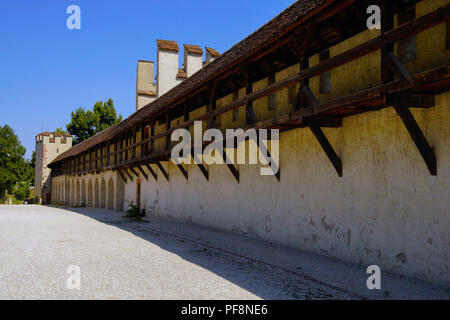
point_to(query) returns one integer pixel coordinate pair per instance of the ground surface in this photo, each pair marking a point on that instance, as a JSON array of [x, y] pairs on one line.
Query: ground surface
[[122, 259]]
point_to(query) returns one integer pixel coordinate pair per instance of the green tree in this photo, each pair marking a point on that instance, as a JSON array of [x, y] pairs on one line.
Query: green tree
[[33, 160], [86, 123], [60, 130], [14, 169], [22, 191]]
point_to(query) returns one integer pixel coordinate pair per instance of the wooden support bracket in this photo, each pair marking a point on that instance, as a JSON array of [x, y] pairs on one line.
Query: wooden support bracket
[[150, 169], [134, 171], [230, 166], [128, 174], [418, 137], [266, 153], [326, 146], [200, 165], [183, 171], [396, 67], [143, 172], [122, 176], [163, 171], [310, 98]]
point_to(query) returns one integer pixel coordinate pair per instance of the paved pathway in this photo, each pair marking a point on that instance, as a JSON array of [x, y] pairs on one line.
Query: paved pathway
[[122, 259]]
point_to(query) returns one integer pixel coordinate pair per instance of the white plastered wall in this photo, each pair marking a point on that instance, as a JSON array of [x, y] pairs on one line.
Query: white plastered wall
[[387, 209]]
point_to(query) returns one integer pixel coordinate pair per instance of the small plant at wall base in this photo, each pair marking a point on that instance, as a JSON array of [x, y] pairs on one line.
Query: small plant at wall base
[[134, 212]]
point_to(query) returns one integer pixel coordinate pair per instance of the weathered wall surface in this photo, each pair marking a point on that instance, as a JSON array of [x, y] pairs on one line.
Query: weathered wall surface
[[386, 210], [103, 190]]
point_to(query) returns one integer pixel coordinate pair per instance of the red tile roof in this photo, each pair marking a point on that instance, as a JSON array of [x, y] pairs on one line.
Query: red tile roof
[[212, 52], [293, 16], [181, 74], [193, 49], [167, 45]]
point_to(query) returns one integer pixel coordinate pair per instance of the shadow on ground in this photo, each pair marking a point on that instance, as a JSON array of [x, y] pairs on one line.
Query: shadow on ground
[[264, 281]]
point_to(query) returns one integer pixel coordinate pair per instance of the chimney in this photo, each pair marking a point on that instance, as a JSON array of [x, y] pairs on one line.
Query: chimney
[[167, 66], [192, 59], [211, 55], [145, 87]]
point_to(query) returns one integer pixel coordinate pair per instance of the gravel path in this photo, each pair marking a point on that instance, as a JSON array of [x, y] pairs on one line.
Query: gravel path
[[122, 259]]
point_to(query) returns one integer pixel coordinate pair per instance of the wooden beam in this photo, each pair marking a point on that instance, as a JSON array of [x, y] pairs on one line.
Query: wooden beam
[[128, 174], [266, 153], [439, 74], [403, 32], [387, 24], [200, 165], [309, 35], [150, 169], [143, 172], [183, 171], [249, 112], [326, 146], [231, 166], [324, 122], [134, 171], [410, 100], [298, 102], [310, 98], [418, 137], [396, 67], [203, 170], [122, 176], [163, 171]]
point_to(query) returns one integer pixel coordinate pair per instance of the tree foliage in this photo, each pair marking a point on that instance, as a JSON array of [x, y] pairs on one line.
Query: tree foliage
[[15, 170], [86, 123]]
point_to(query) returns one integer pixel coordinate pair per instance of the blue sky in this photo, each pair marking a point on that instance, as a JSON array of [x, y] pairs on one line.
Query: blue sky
[[47, 71]]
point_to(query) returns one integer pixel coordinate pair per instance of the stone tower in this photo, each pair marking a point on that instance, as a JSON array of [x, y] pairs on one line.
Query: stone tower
[[48, 147]]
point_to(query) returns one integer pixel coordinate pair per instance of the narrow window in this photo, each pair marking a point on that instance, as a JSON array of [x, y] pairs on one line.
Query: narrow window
[[407, 48], [325, 77], [235, 111], [272, 97]]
